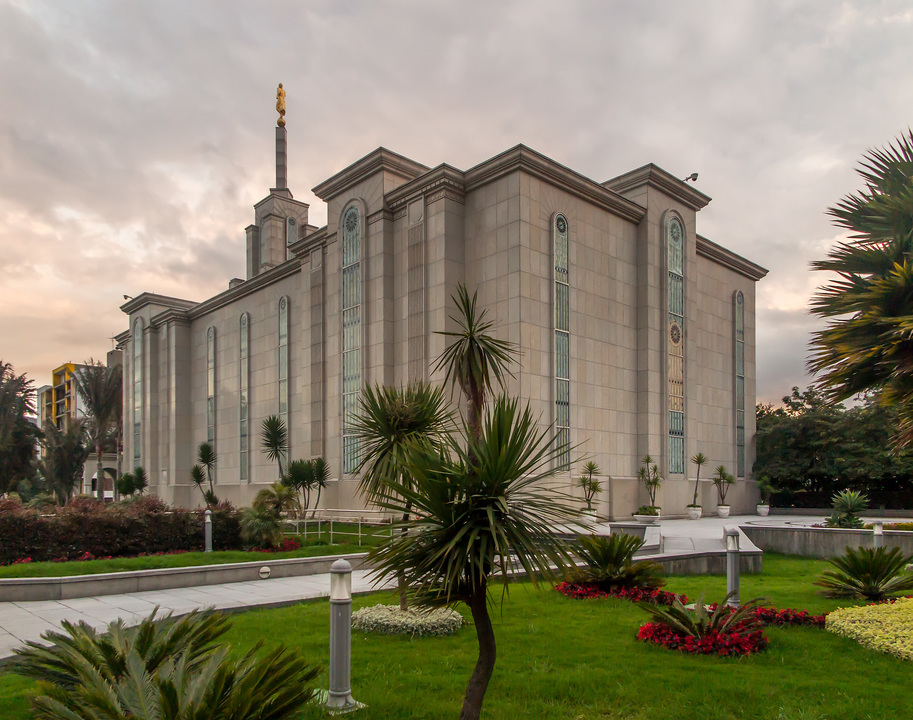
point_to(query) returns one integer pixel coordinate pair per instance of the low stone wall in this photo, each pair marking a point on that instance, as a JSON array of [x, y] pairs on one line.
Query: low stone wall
[[76, 586], [821, 542], [706, 562]]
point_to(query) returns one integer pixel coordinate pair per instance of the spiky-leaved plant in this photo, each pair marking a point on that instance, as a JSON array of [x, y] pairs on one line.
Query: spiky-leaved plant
[[700, 460], [610, 563], [847, 506], [869, 573], [699, 621]]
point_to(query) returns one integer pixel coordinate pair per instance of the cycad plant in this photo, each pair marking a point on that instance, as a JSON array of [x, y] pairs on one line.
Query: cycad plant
[[478, 508], [867, 342], [847, 506], [161, 669], [871, 574], [610, 563]]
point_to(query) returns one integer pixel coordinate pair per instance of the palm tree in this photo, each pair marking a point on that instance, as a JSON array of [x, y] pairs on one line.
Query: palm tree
[[474, 360], [277, 498], [700, 460], [18, 435], [274, 438], [101, 389], [390, 421], [867, 343], [478, 510], [65, 455], [299, 475], [321, 478]]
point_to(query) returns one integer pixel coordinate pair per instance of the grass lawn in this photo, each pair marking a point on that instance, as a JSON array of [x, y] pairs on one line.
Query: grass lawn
[[310, 547], [575, 659]]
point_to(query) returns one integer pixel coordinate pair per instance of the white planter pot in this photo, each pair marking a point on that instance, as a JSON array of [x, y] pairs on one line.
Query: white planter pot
[[763, 510], [647, 519], [722, 511], [694, 513]]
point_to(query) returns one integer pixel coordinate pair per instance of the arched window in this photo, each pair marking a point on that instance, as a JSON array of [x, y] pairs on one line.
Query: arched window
[[351, 334], [244, 395], [291, 234], [675, 251], [739, 318], [562, 343], [283, 365], [137, 393]]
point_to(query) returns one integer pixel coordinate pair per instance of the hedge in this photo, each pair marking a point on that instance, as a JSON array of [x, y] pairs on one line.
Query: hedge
[[144, 527]]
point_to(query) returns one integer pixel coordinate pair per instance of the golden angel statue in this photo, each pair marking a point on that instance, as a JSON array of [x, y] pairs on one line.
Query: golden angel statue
[[280, 106]]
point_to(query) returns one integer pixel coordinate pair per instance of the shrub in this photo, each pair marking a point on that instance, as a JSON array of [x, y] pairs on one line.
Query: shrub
[[886, 627], [646, 510], [847, 506], [161, 668], [610, 563], [873, 574], [144, 526], [391, 620]]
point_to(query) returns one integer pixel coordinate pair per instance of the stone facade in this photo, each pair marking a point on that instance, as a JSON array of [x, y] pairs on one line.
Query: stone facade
[[366, 295]]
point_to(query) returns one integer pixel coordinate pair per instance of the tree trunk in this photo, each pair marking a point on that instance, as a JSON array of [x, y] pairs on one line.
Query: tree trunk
[[401, 577], [485, 666], [99, 472]]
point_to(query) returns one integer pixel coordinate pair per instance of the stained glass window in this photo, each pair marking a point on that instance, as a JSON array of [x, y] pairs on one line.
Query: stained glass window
[[351, 335], [675, 243], [739, 316], [562, 343], [243, 395], [211, 386], [137, 393]]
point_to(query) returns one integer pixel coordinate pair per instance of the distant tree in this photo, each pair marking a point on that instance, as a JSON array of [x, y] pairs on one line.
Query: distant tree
[[867, 344], [101, 389], [18, 434], [65, 455]]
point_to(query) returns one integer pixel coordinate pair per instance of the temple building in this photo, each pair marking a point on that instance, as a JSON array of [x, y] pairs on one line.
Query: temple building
[[637, 334]]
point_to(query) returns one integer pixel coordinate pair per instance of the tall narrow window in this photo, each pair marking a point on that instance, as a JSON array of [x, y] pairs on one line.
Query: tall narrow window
[[243, 393], [211, 386], [283, 365], [137, 393], [291, 235], [263, 244], [675, 245], [740, 383], [351, 335], [562, 344]]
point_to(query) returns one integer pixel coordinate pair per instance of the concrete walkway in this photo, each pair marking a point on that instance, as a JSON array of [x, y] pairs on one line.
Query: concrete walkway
[[22, 621]]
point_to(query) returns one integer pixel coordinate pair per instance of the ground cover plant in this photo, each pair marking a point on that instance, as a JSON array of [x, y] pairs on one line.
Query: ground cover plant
[[562, 659], [886, 627], [414, 622], [312, 545]]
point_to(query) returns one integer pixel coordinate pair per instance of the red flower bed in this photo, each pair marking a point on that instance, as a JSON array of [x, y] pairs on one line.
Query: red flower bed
[[788, 616], [287, 545], [580, 591], [713, 643]]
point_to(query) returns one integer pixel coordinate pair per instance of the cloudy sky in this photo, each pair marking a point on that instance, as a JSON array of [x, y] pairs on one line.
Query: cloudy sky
[[136, 136]]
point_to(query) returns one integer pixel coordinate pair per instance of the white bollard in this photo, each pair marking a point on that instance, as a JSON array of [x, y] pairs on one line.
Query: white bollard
[[207, 530], [732, 567], [877, 534]]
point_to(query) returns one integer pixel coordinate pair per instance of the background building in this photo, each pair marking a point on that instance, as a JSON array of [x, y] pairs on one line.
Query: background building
[[637, 334]]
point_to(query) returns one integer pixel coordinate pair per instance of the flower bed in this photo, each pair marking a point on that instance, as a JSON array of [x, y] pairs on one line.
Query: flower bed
[[788, 616], [886, 626], [713, 643], [391, 620], [582, 591]]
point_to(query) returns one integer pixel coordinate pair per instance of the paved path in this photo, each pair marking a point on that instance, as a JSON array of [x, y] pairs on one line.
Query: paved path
[[21, 621]]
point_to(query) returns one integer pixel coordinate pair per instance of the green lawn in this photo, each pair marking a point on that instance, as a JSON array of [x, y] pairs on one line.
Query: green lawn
[[311, 546], [575, 659]]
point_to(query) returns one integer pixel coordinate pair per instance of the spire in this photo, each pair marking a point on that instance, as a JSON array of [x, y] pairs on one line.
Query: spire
[[281, 153]]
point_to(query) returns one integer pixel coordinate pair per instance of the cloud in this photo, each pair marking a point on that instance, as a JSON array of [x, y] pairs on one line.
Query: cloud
[[135, 137]]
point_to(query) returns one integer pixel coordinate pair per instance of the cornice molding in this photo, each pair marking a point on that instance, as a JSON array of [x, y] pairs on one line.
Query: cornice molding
[[309, 242], [171, 315], [289, 267], [144, 299], [544, 168], [123, 337], [380, 159], [656, 177], [383, 214], [720, 255], [281, 198]]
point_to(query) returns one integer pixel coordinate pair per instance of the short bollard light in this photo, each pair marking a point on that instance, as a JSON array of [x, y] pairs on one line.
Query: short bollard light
[[207, 530], [732, 567], [340, 697], [877, 534]]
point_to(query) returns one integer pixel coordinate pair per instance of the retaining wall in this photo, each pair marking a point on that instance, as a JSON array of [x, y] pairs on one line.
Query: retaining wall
[[821, 542]]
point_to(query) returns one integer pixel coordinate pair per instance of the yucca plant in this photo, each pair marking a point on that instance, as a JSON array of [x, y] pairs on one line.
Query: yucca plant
[[589, 485], [722, 479], [650, 478], [872, 574], [699, 621], [700, 460], [610, 563], [847, 505], [162, 669]]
